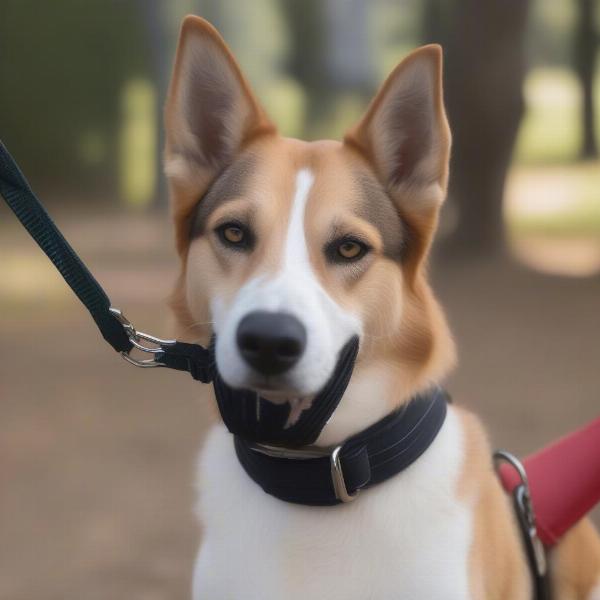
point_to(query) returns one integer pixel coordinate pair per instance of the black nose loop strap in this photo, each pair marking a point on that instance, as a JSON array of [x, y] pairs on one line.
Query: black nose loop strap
[[255, 419]]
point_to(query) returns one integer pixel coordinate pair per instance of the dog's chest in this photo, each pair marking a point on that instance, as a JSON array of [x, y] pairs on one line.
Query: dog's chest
[[406, 538]]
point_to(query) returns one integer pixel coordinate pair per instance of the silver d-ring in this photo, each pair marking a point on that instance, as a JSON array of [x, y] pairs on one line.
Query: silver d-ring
[[135, 337]]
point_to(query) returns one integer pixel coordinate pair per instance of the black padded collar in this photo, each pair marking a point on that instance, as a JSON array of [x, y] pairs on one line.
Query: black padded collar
[[324, 477]]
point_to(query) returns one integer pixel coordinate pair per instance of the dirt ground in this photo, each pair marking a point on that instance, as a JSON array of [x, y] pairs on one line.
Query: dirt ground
[[97, 457]]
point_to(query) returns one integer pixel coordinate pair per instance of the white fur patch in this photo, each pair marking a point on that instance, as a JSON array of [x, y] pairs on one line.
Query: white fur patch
[[365, 401], [296, 290], [404, 539]]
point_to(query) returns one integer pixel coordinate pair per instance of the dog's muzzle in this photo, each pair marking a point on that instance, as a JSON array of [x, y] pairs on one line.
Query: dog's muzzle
[[249, 416]]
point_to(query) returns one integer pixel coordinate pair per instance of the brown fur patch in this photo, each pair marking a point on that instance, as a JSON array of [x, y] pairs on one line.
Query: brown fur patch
[[229, 185]]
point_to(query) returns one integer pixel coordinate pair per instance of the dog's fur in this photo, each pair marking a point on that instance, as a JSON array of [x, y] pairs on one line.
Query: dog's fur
[[443, 528]]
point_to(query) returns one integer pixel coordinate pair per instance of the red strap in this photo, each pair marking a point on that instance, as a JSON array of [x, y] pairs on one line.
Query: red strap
[[564, 480]]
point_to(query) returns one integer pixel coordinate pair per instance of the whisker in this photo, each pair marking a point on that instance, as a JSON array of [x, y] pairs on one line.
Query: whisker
[[198, 324]]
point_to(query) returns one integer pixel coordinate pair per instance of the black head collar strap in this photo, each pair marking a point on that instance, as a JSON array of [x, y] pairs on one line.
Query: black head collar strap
[[324, 477]]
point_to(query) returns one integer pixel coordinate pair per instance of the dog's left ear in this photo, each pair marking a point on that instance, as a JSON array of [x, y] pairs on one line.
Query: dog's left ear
[[405, 135], [211, 115]]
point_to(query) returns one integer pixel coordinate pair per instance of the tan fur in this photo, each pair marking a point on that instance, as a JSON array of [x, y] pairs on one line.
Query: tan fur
[[187, 181], [576, 563], [498, 563], [404, 326]]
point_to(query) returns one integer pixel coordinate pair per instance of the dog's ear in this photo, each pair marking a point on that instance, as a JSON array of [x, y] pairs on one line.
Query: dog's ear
[[405, 135], [211, 113]]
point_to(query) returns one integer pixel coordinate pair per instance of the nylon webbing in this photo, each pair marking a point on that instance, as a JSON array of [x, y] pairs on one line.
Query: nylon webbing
[[29, 210]]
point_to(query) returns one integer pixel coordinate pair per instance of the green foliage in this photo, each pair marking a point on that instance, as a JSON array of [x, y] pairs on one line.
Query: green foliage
[[67, 67], [551, 130], [62, 67], [550, 32]]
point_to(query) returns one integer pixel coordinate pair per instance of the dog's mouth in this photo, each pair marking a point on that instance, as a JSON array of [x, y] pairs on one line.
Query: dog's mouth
[[297, 404]]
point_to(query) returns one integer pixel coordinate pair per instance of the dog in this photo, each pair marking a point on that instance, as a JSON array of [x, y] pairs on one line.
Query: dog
[[335, 236]]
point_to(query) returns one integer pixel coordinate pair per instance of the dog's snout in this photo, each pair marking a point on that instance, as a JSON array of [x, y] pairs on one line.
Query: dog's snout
[[271, 342]]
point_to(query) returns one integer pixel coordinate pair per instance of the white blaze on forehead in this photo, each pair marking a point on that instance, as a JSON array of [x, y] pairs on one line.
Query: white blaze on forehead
[[296, 251]]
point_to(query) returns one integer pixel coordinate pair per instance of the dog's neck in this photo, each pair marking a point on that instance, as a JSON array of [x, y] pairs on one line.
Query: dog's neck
[[374, 391]]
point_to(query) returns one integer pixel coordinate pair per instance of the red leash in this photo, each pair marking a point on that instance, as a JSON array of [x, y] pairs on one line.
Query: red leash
[[564, 481]]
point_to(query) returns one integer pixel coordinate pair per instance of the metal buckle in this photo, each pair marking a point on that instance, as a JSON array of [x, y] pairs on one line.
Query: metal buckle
[[292, 453], [337, 477], [307, 452], [136, 337], [525, 507]]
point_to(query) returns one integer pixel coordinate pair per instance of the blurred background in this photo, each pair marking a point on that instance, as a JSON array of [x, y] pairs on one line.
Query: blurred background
[[96, 457]]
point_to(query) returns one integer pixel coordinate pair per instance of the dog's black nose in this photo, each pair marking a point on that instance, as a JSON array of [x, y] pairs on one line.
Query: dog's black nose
[[271, 342]]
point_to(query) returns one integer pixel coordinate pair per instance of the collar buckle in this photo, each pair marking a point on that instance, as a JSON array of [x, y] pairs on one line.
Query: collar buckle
[[337, 477], [309, 452], [302, 453]]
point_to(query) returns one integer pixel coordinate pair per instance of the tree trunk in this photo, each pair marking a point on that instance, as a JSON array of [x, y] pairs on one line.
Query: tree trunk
[[585, 47], [484, 75]]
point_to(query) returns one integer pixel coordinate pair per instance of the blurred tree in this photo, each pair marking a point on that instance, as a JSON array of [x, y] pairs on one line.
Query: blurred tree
[[485, 68], [585, 51], [550, 33]]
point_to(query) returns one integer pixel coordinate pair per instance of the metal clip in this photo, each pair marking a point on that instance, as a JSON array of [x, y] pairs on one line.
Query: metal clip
[[525, 508], [136, 338]]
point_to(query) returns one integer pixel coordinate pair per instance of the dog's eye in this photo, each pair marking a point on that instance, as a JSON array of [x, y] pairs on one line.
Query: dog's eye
[[350, 250], [346, 249], [235, 235]]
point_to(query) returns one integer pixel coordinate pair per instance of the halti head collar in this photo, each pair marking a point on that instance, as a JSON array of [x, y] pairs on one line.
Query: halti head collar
[[260, 427]]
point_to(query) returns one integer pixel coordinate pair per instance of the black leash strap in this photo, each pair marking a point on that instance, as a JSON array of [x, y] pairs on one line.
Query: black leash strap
[[115, 328], [29, 210]]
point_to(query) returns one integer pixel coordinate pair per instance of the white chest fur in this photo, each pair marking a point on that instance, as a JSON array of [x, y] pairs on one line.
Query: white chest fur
[[407, 538]]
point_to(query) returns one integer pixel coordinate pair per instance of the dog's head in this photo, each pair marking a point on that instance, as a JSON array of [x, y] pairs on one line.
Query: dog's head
[[290, 248]]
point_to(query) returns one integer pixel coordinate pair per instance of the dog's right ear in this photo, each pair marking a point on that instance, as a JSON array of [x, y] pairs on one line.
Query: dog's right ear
[[210, 115]]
